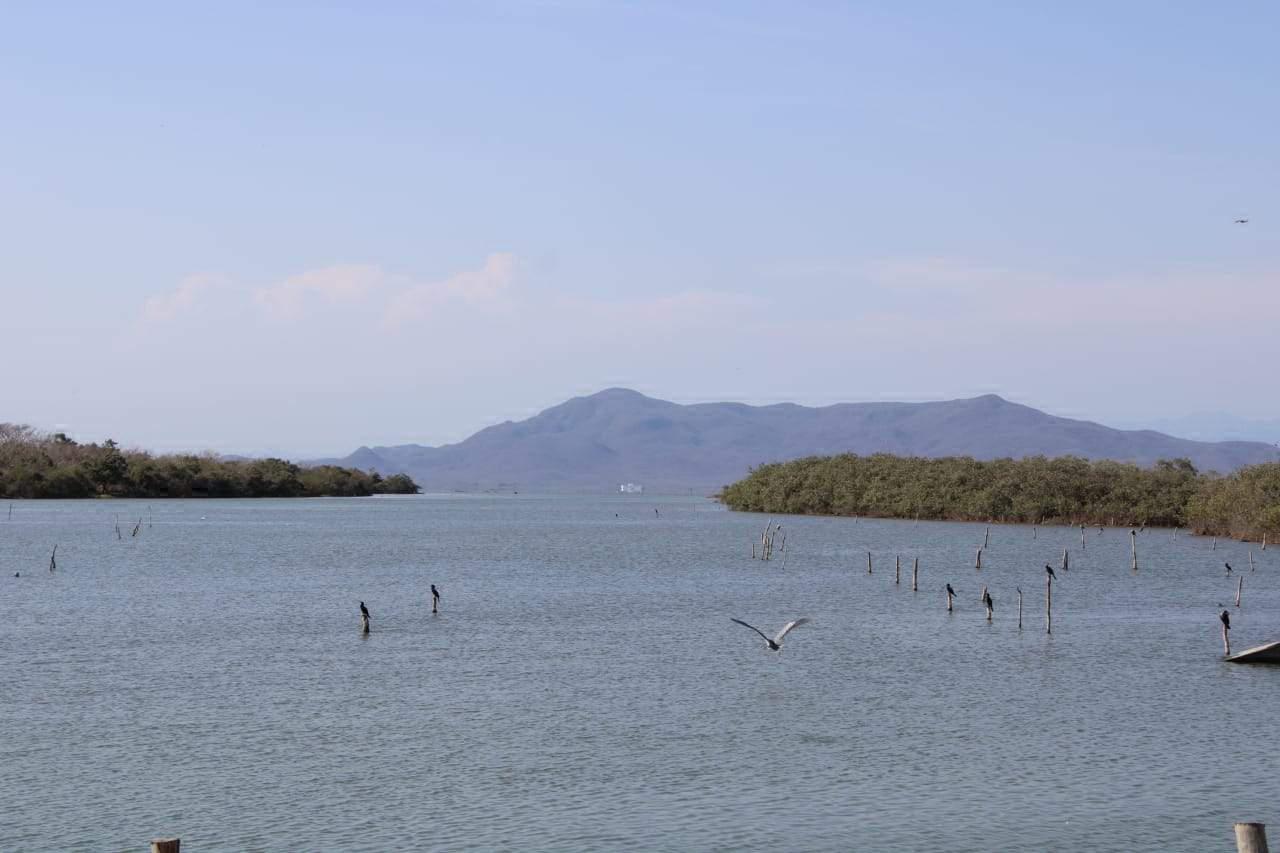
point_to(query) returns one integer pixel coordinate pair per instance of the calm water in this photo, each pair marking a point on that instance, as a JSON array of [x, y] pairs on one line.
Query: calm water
[[583, 688]]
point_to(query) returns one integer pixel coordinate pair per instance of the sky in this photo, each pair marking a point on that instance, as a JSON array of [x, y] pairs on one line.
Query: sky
[[300, 228]]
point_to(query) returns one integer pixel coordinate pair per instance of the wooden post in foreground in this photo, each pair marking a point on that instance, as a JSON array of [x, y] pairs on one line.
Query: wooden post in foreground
[[915, 572], [166, 845], [977, 563], [1048, 604], [1239, 588], [897, 570], [1251, 838]]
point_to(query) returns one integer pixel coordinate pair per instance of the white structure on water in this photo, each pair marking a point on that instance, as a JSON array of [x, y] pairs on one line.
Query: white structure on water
[[631, 488]]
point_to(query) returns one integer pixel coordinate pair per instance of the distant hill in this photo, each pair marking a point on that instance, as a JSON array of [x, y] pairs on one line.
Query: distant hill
[[593, 443]]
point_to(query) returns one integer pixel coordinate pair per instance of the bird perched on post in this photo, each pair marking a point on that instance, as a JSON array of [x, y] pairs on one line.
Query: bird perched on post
[[1226, 620], [1049, 571], [951, 592], [435, 599], [1228, 565]]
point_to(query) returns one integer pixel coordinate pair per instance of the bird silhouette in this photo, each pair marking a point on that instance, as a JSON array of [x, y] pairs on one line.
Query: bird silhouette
[[775, 642], [364, 611], [1228, 565], [986, 599], [1049, 571], [951, 592], [1226, 620], [1241, 221]]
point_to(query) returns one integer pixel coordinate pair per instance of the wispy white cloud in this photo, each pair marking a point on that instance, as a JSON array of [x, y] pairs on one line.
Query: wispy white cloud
[[338, 285], [165, 307], [488, 287]]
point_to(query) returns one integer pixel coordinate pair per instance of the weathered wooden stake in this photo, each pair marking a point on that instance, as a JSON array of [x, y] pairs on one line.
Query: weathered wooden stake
[[1239, 589], [977, 563], [948, 598], [1133, 543], [1215, 543], [1251, 838], [53, 559], [166, 845], [1264, 541], [1082, 545], [364, 624], [986, 602], [868, 562], [1226, 640], [1250, 559], [1034, 533], [1065, 560], [753, 550], [897, 570], [1048, 604], [915, 572], [986, 536], [1019, 608]]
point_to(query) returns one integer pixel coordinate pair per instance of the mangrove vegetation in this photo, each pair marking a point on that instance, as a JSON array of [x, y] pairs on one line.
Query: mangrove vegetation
[[1035, 490], [36, 465]]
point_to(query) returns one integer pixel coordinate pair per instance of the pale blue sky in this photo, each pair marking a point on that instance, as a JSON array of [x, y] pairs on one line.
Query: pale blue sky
[[306, 227]]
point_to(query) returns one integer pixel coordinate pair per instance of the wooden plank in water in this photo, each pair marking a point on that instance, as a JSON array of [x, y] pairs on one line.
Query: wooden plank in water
[[1268, 653]]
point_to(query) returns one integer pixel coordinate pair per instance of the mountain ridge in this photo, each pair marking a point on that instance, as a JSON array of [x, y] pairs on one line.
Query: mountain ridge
[[594, 442]]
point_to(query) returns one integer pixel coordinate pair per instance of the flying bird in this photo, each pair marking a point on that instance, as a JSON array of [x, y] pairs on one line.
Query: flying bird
[[775, 643], [1049, 571], [1241, 221]]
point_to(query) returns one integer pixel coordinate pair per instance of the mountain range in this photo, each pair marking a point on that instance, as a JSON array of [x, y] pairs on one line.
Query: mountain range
[[596, 442]]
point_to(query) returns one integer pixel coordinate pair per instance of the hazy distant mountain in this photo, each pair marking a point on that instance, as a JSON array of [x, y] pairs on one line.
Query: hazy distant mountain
[[1218, 426], [616, 436]]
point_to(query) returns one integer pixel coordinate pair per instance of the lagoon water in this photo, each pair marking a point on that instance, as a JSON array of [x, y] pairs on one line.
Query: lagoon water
[[583, 688]]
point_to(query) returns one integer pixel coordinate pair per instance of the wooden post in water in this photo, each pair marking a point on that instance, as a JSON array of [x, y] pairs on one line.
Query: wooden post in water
[[977, 563], [1048, 604], [1250, 559], [986, 537], [1034, 533], [1264, 541], [1065, 560], [53, 559], [868, 562], [1226, 639], [1251, 838], [915, 572], [1019, 608], [166, 845], [897, 570], [1215, 544], [753, 550], [986, 602], [1239, 589], [1133, 543], [948, 598], [1082, 537]]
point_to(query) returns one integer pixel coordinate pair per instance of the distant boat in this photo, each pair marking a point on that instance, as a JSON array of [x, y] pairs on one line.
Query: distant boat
[[1267, 653]]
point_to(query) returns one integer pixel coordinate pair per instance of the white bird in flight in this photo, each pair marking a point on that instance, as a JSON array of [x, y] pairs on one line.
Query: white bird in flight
[[775, 643]]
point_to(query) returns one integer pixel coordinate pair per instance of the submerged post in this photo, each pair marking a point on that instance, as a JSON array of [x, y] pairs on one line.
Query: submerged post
[[1082, 537], [915, 572], [868, 562], [897, 570], [986, 536], [1019, 608], [1251, 838], [1034, 534], [1065, 560], [166, 845], [949, 596], [1215, 543], [1250, 559], [977, 563], [1239, 589]]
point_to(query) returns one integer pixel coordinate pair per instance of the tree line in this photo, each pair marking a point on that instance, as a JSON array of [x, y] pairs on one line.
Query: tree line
[[1034, 490], [39, 465]]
